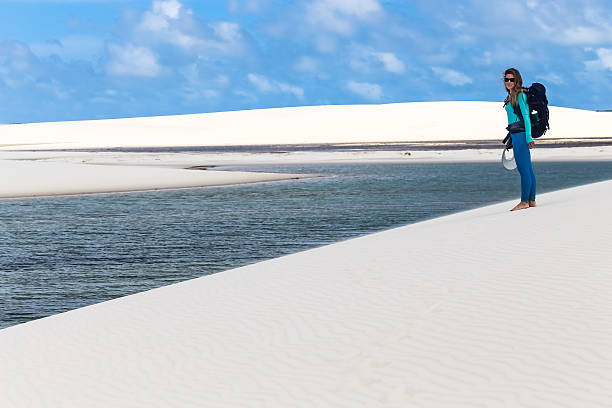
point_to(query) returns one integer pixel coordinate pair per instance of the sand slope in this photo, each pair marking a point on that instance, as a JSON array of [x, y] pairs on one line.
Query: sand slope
[[419, 121], [484, 308]]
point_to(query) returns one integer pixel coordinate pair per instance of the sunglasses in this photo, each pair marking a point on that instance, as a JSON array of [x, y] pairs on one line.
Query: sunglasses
[[509, 79]]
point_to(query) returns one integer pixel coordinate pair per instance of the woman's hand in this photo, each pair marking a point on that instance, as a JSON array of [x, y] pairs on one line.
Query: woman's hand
[[531, 145]]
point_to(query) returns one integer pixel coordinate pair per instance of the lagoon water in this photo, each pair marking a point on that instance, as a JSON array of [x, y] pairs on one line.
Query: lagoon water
[[61, 253]]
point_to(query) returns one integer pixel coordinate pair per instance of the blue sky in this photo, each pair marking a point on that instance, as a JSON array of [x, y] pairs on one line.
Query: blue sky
[[94, 59]]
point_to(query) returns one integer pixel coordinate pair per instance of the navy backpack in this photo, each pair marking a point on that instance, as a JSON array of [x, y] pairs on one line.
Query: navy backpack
[[538, 109]]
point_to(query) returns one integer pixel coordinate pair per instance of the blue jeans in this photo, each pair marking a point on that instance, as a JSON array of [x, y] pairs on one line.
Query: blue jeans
[[522, 156]]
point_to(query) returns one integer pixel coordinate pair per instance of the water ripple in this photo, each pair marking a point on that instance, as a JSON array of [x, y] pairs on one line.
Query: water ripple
[[57, 254]]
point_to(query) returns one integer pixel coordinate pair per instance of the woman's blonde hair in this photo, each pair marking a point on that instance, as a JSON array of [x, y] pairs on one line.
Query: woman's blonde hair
[[512, 97]]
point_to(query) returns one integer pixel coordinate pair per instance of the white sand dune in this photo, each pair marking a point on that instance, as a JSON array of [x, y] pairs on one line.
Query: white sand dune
[[400, 122], [484, 308], [28, 179]]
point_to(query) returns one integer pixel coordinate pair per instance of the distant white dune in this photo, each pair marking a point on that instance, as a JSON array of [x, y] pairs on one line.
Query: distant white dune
[[400, 122], [353, 124]]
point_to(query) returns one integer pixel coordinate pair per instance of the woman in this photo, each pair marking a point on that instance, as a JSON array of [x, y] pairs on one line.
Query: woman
[[521, 136]]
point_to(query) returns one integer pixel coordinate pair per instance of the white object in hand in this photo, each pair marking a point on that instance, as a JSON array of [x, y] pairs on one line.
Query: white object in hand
[[508, 160]]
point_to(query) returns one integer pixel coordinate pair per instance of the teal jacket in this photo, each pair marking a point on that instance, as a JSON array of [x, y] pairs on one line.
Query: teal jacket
[[522, 102]]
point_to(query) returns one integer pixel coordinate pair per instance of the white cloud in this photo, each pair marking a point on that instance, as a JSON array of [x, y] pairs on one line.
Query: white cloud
[[131, 60], [339, 16], [366, 90], [222, 80], [245, 96], [226, 31], [295, 90], [153, 22], [588, 25], [170, 23], [307, 64], [564, 22], [264, 84], [312, 66], [261, 82], [325, 44], [168, 8], [584, 35], [603, 61], [15, 57], [250, 6], [18, 65], [200, 85], [567, 22], [450, 76], [365, 58], [552, 78], [485, 59], [358, 8], [158, 19], [197, 78], [390, 62]]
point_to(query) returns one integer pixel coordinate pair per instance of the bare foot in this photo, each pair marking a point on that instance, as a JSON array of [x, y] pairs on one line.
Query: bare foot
[[521, 206], [532, 203]]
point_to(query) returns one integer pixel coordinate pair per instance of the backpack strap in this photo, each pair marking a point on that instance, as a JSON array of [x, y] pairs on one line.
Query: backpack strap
[[517, 112], [517, 109]]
